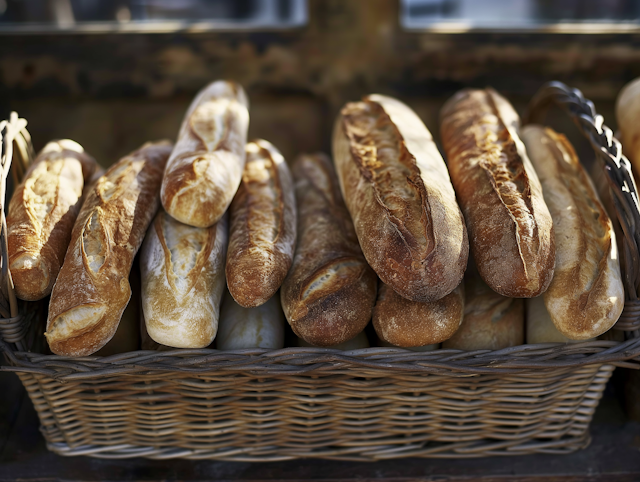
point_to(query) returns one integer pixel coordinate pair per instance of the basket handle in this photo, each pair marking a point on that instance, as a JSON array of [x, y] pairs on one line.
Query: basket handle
[[619, 178]]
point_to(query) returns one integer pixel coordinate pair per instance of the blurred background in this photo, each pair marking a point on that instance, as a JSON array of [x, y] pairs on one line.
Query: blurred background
[[112, 74]]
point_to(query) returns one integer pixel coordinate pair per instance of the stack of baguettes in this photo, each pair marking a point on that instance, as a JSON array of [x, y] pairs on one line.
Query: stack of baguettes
[[380, 234]]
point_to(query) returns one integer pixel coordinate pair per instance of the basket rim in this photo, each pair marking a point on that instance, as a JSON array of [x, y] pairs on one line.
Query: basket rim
[[303, 360]]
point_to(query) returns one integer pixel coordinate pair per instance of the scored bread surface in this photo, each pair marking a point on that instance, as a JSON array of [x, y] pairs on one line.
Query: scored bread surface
[[263, 227], [405, 323], [182, 272], [491, 321], [329, 292], [510, 228], [92, 289], [398, 192], [586, 296], [41, 215], [205, 167]]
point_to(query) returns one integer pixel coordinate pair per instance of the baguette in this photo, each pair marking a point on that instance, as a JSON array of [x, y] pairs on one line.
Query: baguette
[[627, 115], [540, 326], [263, 227], [510, 228], [205, 167], [586, 296], [182, 273], [328, 295], [259, 327], [491, 321], [405, 323], [397, 189], [92, 289], [42, 211]]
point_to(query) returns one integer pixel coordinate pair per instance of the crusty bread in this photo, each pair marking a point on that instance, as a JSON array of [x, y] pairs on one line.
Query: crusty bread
[[397, 189], [205, 167], [510, 228], [491, 321], [92, 289], [263, 227], [182, 273], [42, 211], [356, 343], [627, 115], [433, 347], [329, 293], [540, 327], [405, 323], [586, 296], [258, 327]]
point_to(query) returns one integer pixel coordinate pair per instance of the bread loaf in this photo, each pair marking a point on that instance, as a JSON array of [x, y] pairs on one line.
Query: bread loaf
[[329, 293], [586, 296], [92, 289], [41, 214], [491, 321], [263, 227], [510, 228], [205, 167], [627, 115], [356, 343], [409, 323], [433, 347], [397, 189], [540, 327], [258, 327], [182, 273]]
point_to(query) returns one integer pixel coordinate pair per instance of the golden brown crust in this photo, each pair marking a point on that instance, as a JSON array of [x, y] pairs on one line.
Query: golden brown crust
[[491, 321], [510, 228], [263, 227], [205, 167], [41, 214], [397, 189], [405, 323], [586, 296], [92, 289], [328, 295], [182, 271]]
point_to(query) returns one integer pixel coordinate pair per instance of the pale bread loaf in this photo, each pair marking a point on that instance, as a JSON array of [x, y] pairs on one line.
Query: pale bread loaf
[[258, 327], [398, 192], [540, 327], [407, 323], [92, 289], [510, 228], [205, 167], [627, 115], [262, 236], [491, 321], [41, 214], [329, 293], [182, 273], [586, 296]]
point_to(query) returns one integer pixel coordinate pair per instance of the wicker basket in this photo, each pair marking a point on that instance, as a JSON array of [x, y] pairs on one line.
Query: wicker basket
[[370, 404]]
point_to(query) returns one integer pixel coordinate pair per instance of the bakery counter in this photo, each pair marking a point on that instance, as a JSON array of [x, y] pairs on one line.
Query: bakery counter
[[614, 455]]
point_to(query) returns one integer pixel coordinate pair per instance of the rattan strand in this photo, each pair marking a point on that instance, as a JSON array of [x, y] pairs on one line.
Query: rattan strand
[[372, 404]]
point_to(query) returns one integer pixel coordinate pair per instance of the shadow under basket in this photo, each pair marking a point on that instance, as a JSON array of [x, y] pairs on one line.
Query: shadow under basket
[[361, 405]]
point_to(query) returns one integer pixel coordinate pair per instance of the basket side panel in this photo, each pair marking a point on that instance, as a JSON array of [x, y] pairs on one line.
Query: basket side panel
[[334, 415]]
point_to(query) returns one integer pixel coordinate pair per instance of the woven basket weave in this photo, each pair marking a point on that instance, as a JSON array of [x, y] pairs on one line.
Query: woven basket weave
[[370, 404]]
